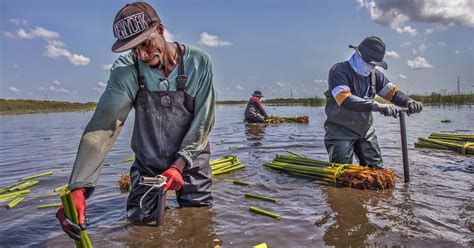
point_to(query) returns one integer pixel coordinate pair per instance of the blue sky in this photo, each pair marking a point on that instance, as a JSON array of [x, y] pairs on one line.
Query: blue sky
[[61, 50]]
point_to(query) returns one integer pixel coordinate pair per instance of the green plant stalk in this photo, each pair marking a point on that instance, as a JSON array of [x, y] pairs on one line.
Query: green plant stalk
[[223, 159], [263, 212], [60, 188], [51, 205], [321, 173], [261, 197], [295, 154], [14, 202], [67, 212], [241, 183], [5, 189], [227, 166], [228, 170], [49, 173], [50, 195], [17, 193], [85, 238], [23, 186], [451, 146]]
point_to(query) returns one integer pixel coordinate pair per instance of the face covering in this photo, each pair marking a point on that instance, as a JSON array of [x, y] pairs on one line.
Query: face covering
[[360, 66]]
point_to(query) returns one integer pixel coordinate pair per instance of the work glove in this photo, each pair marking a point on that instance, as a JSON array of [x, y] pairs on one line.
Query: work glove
[[71, 229], [414, 107], [174, 180], [386, 109]]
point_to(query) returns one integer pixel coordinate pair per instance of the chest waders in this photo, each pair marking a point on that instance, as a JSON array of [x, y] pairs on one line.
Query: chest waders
[[162, 119], [344, 139], [252, 114]]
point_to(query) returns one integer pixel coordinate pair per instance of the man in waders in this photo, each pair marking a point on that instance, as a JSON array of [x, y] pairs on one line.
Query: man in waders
[[170, 86], [352, 88], [254, 113]]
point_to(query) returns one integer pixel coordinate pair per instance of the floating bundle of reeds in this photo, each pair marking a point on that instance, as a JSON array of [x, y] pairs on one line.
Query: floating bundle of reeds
[[289, 119], [461, 143], [71, 214], [124, 183], [225, 164], [360, 177]]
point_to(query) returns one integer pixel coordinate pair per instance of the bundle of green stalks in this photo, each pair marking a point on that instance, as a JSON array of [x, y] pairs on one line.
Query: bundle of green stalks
[[289, 119], [225, 164], [360, 177], [461, 143], [71, 214]]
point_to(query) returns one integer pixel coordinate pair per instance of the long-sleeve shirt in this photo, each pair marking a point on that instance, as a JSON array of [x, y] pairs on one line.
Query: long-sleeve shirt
[[254, 109], [117, 101], [350, 97]]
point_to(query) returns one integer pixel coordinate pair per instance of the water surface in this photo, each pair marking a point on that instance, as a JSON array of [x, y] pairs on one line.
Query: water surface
[[435, 209]]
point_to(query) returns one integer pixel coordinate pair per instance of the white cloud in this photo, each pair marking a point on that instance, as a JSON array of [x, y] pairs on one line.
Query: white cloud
[[18, 21], [56, 82], [407, 29], [59, 90], [392, 54], [14, 90], [38, 32], [441, 44], [401, 76], [429, 31], [212, 40], [422, 47], [457, 51], [405, 44], [280, 84], [419, 63], [239, 87], [55, 49], [100, 87], [106, 67], [9, 35], [396, 13], [169, 36], [76, 59]]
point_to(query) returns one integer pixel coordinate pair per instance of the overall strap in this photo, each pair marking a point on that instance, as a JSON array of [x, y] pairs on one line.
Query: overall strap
[[373, 81], [182, 78], [140, 78]]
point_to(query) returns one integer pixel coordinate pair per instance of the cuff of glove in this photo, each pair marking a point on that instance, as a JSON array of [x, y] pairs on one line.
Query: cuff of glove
[[177, 168], [375, 107]]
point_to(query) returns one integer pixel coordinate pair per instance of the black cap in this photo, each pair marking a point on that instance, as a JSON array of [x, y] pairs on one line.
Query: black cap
[[257, 93], [372, 51], [133, 24]]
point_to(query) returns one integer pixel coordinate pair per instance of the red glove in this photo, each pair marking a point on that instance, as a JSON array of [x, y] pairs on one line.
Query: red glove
[[71, 229], [174, 179]]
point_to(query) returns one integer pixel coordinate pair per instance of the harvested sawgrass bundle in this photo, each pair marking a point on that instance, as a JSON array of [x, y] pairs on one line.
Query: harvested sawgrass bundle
[[349, 175], [225, 164], [288, 119], [461, 143], [124, 183]]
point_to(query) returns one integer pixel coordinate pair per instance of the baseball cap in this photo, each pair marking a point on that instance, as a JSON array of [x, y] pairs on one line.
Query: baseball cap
[[372, 51], [133, 24]]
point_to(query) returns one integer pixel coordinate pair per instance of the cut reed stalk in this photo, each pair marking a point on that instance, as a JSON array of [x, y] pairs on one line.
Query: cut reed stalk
[[264, 212], [14, 202], [49, 173], [261, 197], [23, 186], [51, 205]]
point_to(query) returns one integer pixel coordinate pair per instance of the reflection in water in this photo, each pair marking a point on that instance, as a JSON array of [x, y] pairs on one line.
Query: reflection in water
[[350, 208], [255, 132], [182, 227]]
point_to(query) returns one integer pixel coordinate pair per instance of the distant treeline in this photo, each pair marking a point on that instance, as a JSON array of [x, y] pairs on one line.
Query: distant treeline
[[433, 99], [438, 99], [38, 106]]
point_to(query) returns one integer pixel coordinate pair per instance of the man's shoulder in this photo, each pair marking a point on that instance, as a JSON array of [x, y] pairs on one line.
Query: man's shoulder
[[123, 61], [197, 54], [341, 66]]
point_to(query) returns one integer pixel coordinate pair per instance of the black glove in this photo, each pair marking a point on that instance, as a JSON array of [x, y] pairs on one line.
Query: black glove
[[386, 109], [414, 107]]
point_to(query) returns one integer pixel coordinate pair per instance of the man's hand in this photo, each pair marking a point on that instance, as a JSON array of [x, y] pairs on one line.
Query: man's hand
[[386, 109], [71, 229], [414, 107], [174, 179]]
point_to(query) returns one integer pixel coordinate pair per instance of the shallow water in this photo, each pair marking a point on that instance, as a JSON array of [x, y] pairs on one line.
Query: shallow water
[[435, 209]]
